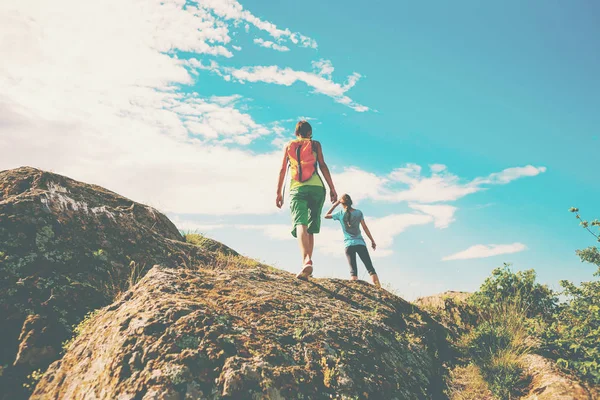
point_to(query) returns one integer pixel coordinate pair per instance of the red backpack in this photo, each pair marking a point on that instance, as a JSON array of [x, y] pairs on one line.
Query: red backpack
[[303, 162]]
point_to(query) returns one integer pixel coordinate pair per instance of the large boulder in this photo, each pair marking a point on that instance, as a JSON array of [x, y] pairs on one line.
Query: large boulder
[[242, 330], [67, 248]]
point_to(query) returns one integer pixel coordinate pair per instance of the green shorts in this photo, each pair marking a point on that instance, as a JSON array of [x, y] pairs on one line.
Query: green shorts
[[306, 204]]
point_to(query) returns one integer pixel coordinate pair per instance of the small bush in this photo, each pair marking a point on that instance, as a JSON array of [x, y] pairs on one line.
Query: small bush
[[498, 341], [517, 287], [486, 340], [502, 327], [505, 376], [573, 336]]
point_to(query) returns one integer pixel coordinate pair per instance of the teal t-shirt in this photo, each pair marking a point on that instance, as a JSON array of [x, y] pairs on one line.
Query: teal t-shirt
[[352, 234]]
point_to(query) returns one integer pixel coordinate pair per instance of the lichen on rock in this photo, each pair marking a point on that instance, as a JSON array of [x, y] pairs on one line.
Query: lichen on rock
[[64, 247], [230, 333]]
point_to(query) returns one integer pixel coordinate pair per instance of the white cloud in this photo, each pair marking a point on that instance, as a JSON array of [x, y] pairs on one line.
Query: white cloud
[[100, 89], [442, 214], [386, 228], [323, 68], [320, 80], [408, 184], [270, 45], [217, 119], [272, 231], [510, 174], [484, 251], [232, 10], [287, 76], [439, 186], [357, 183], [437, 168]]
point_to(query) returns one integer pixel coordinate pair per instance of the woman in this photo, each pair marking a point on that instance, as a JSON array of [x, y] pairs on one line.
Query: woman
[[307, 191], [351, 220]]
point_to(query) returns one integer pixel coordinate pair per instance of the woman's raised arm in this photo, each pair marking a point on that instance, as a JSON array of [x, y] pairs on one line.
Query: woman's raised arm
[[329, 215]]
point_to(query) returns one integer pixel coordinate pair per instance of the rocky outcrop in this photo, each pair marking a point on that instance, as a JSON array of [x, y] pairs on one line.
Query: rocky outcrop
[[242, 330], [204, 322], [67, 248], [442, 300], [548, 383], [451, 310]]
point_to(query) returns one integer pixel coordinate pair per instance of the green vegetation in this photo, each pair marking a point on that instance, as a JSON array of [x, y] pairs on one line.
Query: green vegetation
[[505, 376], [33, 379], [177, 374], [515, 316], [535, 300], [197, 239], [187, 342], [500, 338], [80, 328], [573, 335]]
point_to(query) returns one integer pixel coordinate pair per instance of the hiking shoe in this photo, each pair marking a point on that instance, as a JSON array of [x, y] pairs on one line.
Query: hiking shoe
[[305, 273]]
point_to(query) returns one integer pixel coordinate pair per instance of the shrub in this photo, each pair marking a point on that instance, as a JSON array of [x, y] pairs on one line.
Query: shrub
[[573, 337], [500, 338], [502, 327], [520, 287], [486, 340], [505, 376]]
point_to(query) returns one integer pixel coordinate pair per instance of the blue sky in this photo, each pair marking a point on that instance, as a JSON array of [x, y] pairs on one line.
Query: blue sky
[[504, 95]]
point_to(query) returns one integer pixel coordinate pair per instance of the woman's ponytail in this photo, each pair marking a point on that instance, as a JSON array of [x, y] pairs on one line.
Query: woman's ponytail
[[347, 202]]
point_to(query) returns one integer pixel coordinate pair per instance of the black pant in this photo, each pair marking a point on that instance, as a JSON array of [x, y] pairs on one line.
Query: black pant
[[363, 253]]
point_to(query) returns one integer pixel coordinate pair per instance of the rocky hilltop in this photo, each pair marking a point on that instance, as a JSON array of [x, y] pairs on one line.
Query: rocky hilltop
[[67, 248], [240, 331], [203, 322]]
